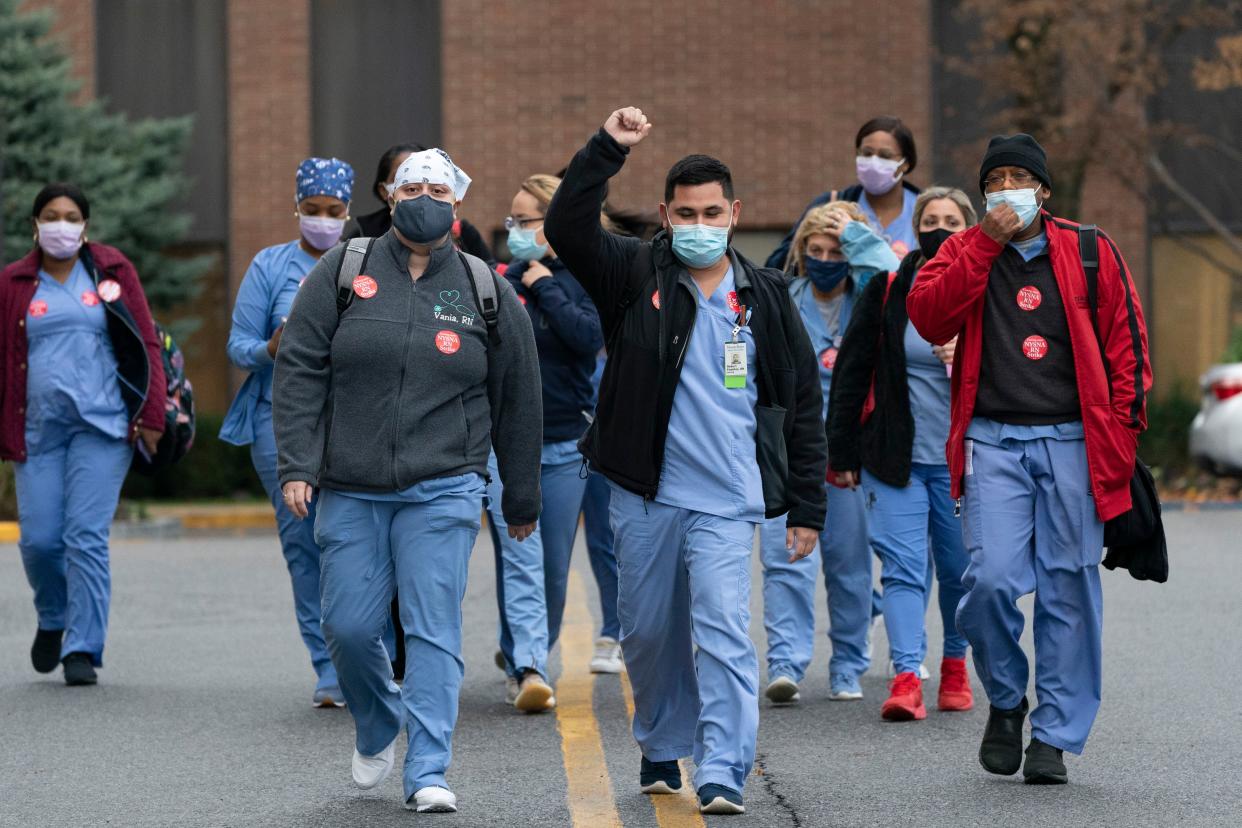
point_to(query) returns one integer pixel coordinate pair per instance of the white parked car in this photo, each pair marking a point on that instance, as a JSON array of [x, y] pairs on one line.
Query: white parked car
[[1216, 433]]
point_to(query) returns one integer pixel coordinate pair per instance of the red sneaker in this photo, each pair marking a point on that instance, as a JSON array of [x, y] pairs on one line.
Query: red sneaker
[[905, 699], [955, 685]]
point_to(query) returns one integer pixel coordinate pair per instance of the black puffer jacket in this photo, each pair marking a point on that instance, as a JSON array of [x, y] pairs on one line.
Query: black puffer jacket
[[874, 345]]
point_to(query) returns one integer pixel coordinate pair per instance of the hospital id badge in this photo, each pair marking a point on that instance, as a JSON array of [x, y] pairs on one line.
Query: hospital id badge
[[735, 365]]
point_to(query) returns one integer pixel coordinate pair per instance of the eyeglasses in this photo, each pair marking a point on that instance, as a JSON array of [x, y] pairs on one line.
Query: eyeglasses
[[524, 223], [1022, 179]]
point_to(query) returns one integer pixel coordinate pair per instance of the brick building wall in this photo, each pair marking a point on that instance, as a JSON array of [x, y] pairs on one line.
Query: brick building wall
[[73, 23], [776, 89]]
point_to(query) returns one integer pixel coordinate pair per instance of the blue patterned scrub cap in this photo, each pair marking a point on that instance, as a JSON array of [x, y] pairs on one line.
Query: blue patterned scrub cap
[[325, 176]]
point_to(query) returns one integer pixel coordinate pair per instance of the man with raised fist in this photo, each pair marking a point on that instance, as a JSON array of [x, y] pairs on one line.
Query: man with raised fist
[[708, 421]]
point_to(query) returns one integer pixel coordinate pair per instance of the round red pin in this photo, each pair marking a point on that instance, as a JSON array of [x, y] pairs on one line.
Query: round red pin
[[109, 290], [734, 305], [37, 308], [1029, 298], [828, 358], [1035, 347], [365, 287], [90, 298], [448, 342], [655, 300]]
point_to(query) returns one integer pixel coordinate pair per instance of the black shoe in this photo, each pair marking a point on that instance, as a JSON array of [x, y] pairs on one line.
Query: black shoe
[[1001, 750], [1043, 765], [45, 651], [79, 670], [660, 777], [718, 799]]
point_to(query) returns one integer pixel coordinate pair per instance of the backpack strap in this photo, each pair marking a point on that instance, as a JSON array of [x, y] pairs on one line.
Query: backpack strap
[[1089, 252], [485, 293], [352, 264]]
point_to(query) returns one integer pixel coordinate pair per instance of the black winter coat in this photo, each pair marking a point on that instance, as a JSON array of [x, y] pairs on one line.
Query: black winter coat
[[874, 345], [646, 301]]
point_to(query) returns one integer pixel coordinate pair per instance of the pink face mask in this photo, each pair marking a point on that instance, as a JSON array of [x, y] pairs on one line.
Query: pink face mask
[[878, 175], [61, 239]]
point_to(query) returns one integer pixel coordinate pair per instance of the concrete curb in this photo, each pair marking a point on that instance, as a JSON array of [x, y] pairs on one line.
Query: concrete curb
[[171, 523]]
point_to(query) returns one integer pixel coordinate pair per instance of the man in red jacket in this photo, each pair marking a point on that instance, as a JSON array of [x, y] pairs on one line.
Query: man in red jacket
[[1048, 404]]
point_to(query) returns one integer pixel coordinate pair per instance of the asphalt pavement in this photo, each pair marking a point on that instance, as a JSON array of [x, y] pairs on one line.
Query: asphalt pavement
[[203, 718]]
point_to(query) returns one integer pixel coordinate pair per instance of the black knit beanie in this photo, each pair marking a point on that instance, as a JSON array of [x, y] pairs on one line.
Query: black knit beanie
[[1019, 150]]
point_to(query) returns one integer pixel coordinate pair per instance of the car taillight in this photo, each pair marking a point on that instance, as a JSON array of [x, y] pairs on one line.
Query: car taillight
[[1226, 389]]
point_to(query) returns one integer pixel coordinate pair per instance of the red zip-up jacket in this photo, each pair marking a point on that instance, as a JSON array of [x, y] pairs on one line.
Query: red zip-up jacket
[[947, 300], [137, 349]]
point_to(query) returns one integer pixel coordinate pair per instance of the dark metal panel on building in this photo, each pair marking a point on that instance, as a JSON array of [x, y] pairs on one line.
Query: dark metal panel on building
[[375, 81], [159, 58]]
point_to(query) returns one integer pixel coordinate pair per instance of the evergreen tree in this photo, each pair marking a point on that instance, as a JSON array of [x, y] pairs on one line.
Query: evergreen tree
[[130, 170]]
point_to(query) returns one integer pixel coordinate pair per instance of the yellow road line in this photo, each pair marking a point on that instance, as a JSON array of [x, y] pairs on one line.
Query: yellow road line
[[681, 810], [591, 801]]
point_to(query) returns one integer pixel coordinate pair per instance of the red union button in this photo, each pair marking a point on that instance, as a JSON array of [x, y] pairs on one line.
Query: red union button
[[109, 290], [365, 287], [447, 342], [828, 358], [1029, 298], [90, 298], [37, 308], [1035, 347], [655, 300], [731, 298]]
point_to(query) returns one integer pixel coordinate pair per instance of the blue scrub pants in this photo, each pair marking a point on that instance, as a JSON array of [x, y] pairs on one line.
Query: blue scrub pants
[[599, 548], [562, 484], [519, 588], [901, 521], [422, 549], [1031, 526], [789, 591], [66, 499], [684, 590], [297, 543]]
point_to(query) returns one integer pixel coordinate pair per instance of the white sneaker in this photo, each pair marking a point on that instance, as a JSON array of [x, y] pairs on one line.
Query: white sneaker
[[512, 688], [782, 690], [607, 658], [369, 771], [534, 694], [924, 674], [433, 800]]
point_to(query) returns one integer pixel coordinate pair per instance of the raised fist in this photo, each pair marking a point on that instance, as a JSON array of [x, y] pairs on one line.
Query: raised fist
[[627, 126]]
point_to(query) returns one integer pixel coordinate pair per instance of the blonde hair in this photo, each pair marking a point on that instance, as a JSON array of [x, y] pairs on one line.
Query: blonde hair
[[952, 194], [816, 222], [542, 187]]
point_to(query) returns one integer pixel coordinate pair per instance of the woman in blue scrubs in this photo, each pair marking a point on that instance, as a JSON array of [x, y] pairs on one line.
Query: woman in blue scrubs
[[568, 336], [83, 380], [898, 456], [835, 253], [324, 187]]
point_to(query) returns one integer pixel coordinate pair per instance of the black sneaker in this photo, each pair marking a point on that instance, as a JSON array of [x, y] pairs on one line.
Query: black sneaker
[[1001, 750], [660, 777], [1044, 765], [79, 670], [45, 651], [718, 799]]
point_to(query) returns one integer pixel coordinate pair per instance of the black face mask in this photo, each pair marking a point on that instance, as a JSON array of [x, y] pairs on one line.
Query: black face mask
[[424, 219], [930, 241]]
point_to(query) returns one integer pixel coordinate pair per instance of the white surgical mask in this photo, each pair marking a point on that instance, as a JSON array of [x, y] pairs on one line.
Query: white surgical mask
[[1024, 202]]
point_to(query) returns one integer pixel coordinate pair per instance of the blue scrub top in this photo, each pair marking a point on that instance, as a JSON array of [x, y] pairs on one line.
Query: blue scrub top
[[928, 380], [1031, 248], [900, 234], [71, 381], [709, 456]]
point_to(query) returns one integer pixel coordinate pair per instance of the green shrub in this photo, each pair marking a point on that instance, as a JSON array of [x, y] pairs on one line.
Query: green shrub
[[1234, 352], [212, 470], [8, 493], [1165, 445]]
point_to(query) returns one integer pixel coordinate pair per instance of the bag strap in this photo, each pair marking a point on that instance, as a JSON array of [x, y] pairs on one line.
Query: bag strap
[[485, 294], [1089, 252], [357, 251]]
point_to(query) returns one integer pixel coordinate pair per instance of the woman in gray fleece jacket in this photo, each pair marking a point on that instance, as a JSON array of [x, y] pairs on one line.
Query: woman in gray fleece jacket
[[389, 408]]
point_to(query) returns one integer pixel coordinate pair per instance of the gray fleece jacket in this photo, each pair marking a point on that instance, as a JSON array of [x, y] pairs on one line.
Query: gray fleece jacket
[[403, 386]]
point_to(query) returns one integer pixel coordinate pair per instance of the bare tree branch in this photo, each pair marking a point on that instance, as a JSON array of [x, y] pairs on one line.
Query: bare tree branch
[[1217, 226]]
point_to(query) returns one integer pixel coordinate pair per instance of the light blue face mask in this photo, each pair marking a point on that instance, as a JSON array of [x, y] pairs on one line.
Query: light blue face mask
[[1023, 202], [699, 245], [522, 245]]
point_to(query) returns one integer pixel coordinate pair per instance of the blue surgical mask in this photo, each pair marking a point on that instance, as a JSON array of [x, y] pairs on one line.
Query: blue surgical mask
[[826, 275], [522, 245], [1023, 202], [699, 245], [423, 219]]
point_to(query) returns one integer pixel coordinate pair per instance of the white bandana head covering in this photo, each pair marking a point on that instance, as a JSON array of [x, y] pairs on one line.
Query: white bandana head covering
[[431, 166]]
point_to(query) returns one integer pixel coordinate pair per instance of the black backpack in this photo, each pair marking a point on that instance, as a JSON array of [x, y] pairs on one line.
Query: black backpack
[[178, 436]]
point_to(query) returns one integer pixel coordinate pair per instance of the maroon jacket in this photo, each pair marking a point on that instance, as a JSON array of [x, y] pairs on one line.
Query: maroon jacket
[[947, 300], [137, 349]]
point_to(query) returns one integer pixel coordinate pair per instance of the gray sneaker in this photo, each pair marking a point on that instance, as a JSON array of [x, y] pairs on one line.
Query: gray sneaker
[[328, 697]]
